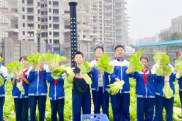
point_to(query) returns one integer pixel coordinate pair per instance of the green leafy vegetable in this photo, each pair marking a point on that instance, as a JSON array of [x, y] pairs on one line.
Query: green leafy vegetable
[[1, 81], [1, 59], [49, 58], [57, 59], [103, 64], [84, 69], [168, 92], [35, 59], [115, 87], [69, 74], [135, 64], [178, 68], [16, 68]]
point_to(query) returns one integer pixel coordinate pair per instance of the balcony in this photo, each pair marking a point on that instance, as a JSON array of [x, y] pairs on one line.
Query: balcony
[[12, 13], [4, 25], [11, 30]]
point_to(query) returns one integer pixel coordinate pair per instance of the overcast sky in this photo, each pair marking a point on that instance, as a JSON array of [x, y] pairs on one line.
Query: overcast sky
[[147, 17]]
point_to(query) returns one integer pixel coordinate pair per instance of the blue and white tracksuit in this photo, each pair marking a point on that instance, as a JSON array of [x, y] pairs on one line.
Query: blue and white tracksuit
[[21, 101], [4, 74], [145, 96], [161, 101], [56, 96], [99, 93], [180, 89], [37, 92], [121, 101]]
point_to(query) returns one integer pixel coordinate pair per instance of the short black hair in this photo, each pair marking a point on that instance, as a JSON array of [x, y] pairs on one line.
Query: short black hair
[[23, 57], [78, 53], [144, 58], [118, 47], [100, 48]]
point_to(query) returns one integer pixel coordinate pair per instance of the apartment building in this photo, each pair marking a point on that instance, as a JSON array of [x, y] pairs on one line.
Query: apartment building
[[3, 19], [176, 25]]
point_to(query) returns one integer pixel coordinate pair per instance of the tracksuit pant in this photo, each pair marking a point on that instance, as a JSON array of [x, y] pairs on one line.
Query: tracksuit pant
[[41, 106], [21, 109], [78, 102], [120, 106], [57, 106], [159, 104], [145, 109], [101, 98], [1, 107]]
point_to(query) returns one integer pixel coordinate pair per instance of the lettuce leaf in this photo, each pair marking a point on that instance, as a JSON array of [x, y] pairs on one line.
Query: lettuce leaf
[[57, 58], [103, 64], [135, 65], [35, 59], [168, 92], [49, 58], [17, 68], [1, 59], [84, 69], [115, 87], [69, 74], [178, 68], [1, 81]]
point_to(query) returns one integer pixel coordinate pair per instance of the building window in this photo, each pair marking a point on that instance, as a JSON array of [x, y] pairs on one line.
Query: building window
[[56, 41], [55, 3], [45, 5], [56, 34], [50, 25], [42, 5], [42, 19], [50, 33], [23, 9], [23, 32], [49, 17], [38, 11], [42, 27], [45, 12], [49, 10], [23, 1], [38, 18], [45, 19], [39, 26], [42, 12], [23, 16], [38, 3], [23, 24], [55, 11], [56, 26], [50, 40], [49, 2], [84, 36]]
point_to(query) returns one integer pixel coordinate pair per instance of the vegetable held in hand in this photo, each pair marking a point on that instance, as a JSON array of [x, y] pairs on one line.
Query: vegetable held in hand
[[17, 68], [1, 81], [35, 59], [135, 64], [168, 92], [103, 64], [84, 69], [69, 74], [178, 68], [115, 87]]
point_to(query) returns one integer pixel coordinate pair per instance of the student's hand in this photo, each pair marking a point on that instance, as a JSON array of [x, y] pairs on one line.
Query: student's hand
[[50, 68], [41, 66], [34, 67], [117, 80], [20, 76], [15, 76], [128, 72], [165, 74]]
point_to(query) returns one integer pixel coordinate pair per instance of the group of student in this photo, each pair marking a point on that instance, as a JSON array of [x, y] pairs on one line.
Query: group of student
[[148, 90]]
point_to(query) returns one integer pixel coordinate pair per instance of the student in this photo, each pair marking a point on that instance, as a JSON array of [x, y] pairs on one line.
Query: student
[[21, 100], [121, 101], [81, 97], [99, 86], [145, 92], [160, 100], [37, 91], [179, 56], [56, 95], [3, 73]]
